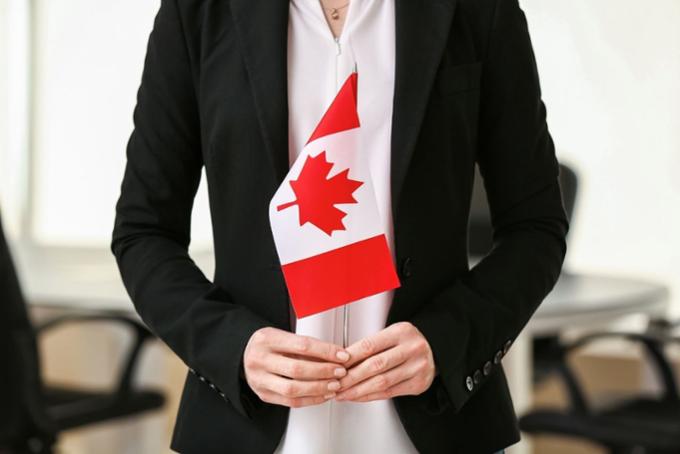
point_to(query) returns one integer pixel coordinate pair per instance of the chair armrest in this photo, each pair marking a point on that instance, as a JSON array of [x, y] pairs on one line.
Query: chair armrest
[[140, 331], [663, 327], [577, 400], [653, 345]]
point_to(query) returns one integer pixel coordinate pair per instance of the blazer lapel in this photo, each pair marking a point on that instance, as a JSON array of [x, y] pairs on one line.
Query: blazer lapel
[[262, 30], [422, 28]]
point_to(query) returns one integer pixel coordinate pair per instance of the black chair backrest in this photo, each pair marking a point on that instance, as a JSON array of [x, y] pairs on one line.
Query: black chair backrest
[[22, 414], [480, 231]]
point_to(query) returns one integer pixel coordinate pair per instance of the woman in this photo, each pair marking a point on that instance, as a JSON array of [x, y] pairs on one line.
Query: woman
[[234, 87]]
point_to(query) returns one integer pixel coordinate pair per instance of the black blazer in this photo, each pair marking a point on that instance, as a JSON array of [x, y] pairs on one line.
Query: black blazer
[[213, 95], [22, 414], [15, 418]]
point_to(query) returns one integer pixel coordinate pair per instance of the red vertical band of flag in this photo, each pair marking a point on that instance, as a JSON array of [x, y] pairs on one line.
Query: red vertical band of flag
[[342, 113], [340, 276]]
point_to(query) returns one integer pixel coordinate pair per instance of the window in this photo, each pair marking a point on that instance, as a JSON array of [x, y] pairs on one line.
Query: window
[[87, 64]]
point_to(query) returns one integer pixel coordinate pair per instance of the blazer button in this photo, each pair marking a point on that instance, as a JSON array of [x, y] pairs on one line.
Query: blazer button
[[497, 357], [406, 268], [487, 368], [469, 384], [477, 377], [506, 347]]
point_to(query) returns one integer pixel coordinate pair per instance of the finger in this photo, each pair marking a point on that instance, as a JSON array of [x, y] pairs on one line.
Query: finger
[[369, 346], [303, 369], [300, 388], [374, 365], [403, 388], [307, 346], [376, 384], [294, 402], [306, 358]]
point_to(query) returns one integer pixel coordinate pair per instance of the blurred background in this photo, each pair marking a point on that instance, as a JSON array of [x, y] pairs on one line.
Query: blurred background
[[610, 75]]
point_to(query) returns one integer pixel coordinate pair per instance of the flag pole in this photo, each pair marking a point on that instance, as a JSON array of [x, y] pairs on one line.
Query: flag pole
[[345, 308], [345, 326]]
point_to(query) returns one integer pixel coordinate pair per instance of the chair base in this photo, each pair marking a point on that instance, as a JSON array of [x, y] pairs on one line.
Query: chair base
[[642, 423], [70, 408]]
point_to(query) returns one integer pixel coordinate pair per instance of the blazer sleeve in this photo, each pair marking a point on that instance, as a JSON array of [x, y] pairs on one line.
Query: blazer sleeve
[[197, 319], [471, 324]]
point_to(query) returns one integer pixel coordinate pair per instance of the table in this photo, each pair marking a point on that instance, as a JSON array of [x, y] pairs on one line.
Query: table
[[585, 299], [88, 279], [79, 278]]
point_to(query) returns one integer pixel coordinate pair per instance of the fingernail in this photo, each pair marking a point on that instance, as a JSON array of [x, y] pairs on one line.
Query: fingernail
[[333, 386], [342, 356], [329, 396], [340, 372]]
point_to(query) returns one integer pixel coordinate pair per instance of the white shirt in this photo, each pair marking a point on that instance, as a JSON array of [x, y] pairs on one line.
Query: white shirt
[[317, 67]]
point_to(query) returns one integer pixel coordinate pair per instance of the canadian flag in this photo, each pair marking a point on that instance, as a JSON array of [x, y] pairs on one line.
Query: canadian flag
[[325, 220]]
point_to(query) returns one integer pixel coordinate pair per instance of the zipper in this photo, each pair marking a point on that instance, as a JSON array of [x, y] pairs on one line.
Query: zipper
[[337, 43], [337, 61]]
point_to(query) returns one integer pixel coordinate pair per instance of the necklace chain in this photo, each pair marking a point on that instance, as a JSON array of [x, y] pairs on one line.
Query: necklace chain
[[335, 15]]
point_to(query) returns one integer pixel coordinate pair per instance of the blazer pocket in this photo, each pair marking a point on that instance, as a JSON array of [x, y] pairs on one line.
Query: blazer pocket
[[456, 78]]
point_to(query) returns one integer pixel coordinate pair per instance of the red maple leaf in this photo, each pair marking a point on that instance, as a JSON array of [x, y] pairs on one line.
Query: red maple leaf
[[317, 194]]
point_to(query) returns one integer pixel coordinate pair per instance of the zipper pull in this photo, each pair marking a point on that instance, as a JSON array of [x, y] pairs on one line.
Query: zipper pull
[[337, 42]]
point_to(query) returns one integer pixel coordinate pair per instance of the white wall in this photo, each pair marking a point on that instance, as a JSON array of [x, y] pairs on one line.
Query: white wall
[[610, 72], [4, 104], [90, 56], [13, 111]]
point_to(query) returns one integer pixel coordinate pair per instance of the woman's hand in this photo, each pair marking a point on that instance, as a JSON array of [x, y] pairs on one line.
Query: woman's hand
[[292, 370], [395, 361]]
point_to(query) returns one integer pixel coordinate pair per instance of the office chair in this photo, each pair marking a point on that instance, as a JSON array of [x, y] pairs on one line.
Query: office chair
[[637, 424], [33, 413], [546, 349]]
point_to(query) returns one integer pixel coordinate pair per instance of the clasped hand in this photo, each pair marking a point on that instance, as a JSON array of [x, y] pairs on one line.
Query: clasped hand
[[296, 371]]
